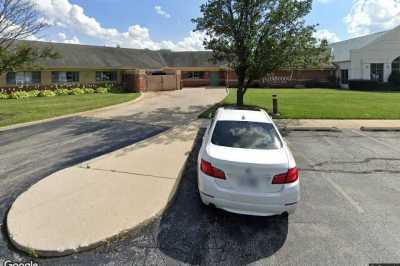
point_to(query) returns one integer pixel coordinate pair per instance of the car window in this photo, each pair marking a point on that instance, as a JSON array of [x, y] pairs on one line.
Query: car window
[[246, 135]]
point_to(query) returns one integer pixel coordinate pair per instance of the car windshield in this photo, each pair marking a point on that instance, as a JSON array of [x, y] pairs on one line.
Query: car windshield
[[246, 135]]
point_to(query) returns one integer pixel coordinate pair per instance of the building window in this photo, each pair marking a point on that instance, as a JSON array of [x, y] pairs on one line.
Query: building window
[[106, 76], [23, 78], [377, 72], [344, 76], [396, 65], [195, 75], [64, 77]]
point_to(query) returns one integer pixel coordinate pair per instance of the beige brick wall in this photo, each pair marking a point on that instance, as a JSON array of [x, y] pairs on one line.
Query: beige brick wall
[[87, 76], [46, 77]]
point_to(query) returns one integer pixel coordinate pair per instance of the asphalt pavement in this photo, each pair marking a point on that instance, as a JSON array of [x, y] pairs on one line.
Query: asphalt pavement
[[349, 214]]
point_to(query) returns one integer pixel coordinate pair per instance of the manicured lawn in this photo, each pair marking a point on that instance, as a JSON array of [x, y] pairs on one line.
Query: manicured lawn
[[325, 103], [36, 108]]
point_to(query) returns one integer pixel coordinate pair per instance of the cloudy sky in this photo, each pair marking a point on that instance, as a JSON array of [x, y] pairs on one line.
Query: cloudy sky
[[165, 24]]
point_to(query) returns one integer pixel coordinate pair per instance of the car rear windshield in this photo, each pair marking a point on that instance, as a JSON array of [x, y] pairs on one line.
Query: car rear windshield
[[246, 135]]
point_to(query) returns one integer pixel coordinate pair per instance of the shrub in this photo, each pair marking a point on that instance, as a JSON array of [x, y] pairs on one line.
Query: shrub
[[77, 91], [359, 84], [319, 84], [394, 78], [89, 91], [102, 90], [4, 95], [117, 90], [62, 92], [19, 95], [34, 93], [47, 93], [372, 85]]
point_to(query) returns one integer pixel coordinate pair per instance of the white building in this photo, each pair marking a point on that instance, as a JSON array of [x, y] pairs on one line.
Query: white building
[[371, 57]]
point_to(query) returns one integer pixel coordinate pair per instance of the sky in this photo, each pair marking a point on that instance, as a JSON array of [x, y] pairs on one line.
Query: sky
[[166, 24]]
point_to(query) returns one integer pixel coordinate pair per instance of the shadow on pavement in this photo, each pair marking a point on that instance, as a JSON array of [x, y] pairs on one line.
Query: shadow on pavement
[[187, 232], [31, 153], [190, 232], [163, 116]]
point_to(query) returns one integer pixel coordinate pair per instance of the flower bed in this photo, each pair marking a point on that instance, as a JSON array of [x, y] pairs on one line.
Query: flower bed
[[50, 91]]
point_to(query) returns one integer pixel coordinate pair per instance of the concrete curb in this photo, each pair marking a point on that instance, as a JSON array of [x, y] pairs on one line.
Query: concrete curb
[[49, 254], [380, 129], [54, 253], [39, 235], [314, 129], [20, 125]]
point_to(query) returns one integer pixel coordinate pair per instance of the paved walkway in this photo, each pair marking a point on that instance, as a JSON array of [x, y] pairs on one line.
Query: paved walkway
[[85, 205], [337, 123], [40, 218]]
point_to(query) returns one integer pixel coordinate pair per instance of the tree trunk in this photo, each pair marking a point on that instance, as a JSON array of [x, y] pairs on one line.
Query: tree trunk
[[241, 90], [240, 96]]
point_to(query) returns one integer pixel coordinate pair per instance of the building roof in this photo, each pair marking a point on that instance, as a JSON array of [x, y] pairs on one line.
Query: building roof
[[101, 57], [189, 59], [341, 50], [89, 56], [86, 56]]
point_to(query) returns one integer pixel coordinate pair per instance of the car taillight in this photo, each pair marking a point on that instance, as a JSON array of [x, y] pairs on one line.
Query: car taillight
[[286, 178], [209, 169]]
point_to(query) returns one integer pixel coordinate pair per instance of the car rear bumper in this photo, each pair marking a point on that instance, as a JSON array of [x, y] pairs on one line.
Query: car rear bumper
[[267, 204]]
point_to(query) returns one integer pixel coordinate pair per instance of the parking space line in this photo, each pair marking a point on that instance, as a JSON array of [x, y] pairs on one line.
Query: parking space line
[[337, 187], [355, 204], [375, 140]]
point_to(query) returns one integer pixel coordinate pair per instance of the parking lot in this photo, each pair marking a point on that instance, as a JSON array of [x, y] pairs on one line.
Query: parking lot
[[349, 214]]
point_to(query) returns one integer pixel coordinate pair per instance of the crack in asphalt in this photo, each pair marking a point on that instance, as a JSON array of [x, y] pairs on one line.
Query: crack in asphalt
[[188, 233], [377, 171], [316, 167], [367, 160]]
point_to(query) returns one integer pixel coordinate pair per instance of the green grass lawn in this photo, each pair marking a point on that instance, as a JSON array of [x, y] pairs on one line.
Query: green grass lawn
[[324, 103], [36, 108]]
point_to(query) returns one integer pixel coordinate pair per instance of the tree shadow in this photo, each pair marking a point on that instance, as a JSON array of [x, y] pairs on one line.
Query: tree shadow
[[187, 232], [32, 153], [165, 116], [192, 233]]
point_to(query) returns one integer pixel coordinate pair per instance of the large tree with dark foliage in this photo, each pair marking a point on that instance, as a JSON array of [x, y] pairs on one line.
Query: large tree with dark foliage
[[19, 20], [256, 37]]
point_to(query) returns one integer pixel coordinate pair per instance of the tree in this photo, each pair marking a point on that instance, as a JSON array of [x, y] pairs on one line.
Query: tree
[[19, 19], [256, 37]]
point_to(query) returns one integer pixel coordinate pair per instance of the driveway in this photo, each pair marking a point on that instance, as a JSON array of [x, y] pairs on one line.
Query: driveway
[[349, 214], [30, 153]]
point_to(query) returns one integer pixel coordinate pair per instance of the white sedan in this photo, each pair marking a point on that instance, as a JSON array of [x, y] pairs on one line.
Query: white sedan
[[245, 166]]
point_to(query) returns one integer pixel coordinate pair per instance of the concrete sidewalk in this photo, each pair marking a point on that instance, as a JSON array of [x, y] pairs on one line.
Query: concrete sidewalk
[[84, 206], [293, 123]]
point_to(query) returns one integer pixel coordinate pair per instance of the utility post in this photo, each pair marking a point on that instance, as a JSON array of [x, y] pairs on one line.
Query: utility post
[[275, 106]]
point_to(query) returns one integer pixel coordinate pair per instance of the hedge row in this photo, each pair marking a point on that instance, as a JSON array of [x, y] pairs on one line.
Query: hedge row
[[372, 85], [50, 93]]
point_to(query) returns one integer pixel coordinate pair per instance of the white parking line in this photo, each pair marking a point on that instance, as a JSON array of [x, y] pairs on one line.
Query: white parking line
[[376, 140], [355, 204], [338, 188]]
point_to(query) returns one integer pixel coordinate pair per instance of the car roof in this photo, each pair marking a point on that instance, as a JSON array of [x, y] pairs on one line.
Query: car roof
[[242, 114]]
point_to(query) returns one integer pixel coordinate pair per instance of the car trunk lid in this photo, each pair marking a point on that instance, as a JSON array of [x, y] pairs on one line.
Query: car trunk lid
[[248, 170]]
